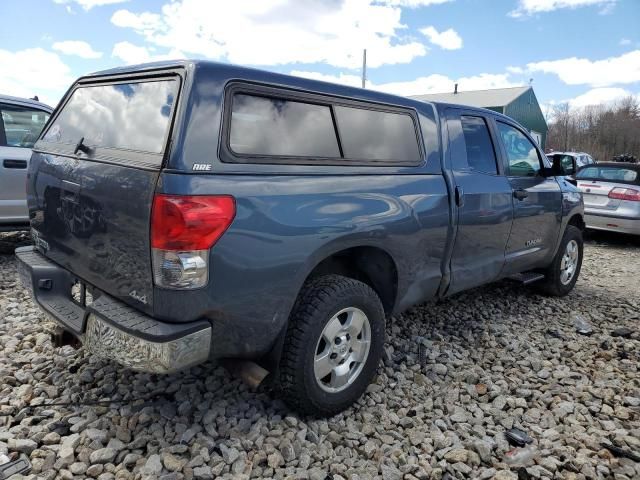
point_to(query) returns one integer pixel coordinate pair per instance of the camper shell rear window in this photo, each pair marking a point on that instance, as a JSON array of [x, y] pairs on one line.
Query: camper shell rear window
[[124, 121], [130, 116]]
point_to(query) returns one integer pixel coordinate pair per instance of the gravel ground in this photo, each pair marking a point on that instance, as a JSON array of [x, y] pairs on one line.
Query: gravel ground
[[496, 357]]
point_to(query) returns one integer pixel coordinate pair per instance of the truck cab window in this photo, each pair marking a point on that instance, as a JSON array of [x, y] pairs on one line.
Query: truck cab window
[[522, 154], [481, 156]]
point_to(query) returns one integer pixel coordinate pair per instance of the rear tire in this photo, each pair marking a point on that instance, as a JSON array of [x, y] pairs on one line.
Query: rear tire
[[561, 276], [333, 345]]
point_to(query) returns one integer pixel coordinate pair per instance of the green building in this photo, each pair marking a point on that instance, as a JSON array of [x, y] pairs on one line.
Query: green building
[[519, 103]]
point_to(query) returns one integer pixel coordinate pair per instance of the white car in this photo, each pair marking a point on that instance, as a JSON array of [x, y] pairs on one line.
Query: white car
[[21, 121], [611, 192], [572, 161]]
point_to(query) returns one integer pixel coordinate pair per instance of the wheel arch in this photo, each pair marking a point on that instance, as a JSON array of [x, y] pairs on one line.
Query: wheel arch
[[577, 220], [369, 264]]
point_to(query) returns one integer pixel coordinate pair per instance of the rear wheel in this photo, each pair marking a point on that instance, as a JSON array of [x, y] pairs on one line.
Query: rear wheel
[[333, 345], [562, 274]]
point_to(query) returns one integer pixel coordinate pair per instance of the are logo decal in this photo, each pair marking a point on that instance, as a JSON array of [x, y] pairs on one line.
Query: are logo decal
[[202, 167]]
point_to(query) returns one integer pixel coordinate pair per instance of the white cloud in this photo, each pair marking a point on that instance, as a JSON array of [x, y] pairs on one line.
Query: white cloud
[[434, 83], [277, 32], [76, 47], [341, 78], [34, 71], [145, 22], [625, 41], [88, 4], [131, 54], [413, 3], [447, 39], [531, 7], [592, 98], [600, 73], [515, 70], [437, 83], [599, 96]]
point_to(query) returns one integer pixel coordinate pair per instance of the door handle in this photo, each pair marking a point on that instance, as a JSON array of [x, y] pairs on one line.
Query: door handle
[[520, 194], [13, 163], [459, 196]]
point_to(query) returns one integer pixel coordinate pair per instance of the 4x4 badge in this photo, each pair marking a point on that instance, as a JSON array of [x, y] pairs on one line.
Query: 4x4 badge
[[135, 295]]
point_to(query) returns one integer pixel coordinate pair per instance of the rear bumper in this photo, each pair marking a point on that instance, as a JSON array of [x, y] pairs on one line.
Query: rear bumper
[[14, 226], [109, 328], [599, 221]]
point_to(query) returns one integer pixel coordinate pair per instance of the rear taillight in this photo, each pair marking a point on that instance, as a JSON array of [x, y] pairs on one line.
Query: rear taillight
[[621, 193], [183, 229]]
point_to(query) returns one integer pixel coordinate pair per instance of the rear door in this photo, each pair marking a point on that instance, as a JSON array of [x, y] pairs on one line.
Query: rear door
[[20, 126], [483, 195], [537, 202], [92, 179]]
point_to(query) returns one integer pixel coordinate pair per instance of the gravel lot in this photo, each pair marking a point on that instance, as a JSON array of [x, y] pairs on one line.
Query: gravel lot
[[496, 357]]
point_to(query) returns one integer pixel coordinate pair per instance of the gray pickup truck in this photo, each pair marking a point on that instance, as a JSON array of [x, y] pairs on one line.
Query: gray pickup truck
[[187, 211]]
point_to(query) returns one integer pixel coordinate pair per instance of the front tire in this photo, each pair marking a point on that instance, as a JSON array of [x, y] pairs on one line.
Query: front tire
[[561, 276], [333, 345]]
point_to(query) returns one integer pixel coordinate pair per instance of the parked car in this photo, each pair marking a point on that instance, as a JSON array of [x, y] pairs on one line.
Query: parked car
[[611, 194], [571, 161], [21, 121], [625, 158], [204, 211]]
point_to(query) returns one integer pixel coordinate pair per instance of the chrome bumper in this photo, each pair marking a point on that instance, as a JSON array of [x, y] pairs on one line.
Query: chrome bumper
[[109, 328], [107, 341]]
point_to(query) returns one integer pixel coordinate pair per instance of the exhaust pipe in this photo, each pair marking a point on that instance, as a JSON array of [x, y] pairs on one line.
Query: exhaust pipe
[[249, 372], [61, 337]]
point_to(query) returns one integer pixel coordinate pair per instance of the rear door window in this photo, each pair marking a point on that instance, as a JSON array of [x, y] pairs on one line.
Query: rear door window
[[481, 156], [128, 116], [22, 125]]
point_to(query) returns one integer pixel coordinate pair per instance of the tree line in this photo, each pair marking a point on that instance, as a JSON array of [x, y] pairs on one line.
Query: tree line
[[603, 131]]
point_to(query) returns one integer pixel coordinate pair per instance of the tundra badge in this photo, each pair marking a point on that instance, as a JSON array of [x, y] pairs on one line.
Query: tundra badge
[[532, 242]]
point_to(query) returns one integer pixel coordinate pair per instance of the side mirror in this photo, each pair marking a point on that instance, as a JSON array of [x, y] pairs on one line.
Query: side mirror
[[571, 170], [557, 170]]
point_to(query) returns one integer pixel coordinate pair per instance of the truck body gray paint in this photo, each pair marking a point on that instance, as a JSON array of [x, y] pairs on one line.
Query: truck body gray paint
[[290, 217]]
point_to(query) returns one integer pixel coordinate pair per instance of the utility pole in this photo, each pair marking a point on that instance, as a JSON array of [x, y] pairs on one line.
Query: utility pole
[[364, 68]]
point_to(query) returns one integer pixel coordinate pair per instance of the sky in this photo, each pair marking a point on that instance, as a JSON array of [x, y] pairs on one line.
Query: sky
[[578, 51]]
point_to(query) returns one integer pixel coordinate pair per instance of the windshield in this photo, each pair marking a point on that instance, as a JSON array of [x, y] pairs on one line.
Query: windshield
[[131, 116], [609, 174]]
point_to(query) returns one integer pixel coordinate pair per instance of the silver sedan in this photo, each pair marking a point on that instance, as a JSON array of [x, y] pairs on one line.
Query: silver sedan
[[611, 193]]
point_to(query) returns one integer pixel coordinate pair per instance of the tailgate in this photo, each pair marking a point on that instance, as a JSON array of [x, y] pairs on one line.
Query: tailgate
[[92, 178]]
